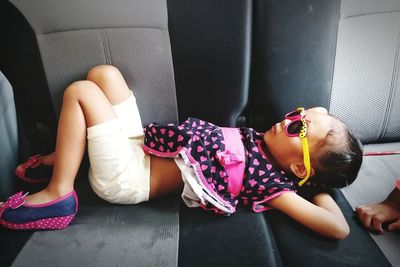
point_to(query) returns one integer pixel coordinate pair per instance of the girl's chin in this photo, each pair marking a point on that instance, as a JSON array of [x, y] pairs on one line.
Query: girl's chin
[[267, 136]]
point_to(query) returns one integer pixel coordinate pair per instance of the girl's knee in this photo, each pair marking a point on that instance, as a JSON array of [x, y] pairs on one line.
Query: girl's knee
[[102, 72], [78, 88]]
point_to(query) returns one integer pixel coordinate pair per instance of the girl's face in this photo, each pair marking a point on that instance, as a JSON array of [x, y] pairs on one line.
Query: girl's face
[[288, 150]]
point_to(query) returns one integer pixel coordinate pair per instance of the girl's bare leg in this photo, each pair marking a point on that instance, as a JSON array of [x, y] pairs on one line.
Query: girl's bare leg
[[87, 103], [109, 79], [84, 105]]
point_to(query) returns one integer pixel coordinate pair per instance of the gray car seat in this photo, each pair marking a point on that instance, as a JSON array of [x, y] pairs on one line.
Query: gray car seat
[[231, 62], [59, 47], [72, 37], [9, 136]]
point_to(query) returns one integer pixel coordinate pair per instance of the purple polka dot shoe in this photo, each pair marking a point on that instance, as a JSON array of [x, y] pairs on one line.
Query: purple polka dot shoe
[[57, 214]]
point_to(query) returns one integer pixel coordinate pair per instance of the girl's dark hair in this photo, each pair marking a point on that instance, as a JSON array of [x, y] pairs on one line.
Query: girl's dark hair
[[337, 165]]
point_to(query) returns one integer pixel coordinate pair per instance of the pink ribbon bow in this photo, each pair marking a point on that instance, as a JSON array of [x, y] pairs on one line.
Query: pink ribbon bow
[[227, 158], [13, 202]]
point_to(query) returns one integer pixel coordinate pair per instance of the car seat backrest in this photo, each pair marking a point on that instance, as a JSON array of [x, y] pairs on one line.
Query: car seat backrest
[[8, 137], [293, 57], [75, 35], [211, 47], [366, 81]]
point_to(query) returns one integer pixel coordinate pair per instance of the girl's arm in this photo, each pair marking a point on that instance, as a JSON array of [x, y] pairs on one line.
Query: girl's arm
[[322, 216]]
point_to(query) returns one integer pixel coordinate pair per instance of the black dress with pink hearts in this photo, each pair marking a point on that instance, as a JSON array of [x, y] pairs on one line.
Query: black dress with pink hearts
[[198, 142]]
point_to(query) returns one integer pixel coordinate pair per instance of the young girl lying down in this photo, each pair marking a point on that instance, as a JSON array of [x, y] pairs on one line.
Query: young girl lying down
[[215, 167]]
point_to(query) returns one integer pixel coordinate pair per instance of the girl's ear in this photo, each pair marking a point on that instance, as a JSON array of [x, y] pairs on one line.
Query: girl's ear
[[299, 170]]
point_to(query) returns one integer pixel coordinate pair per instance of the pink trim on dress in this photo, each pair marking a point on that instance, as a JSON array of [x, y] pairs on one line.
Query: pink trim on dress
[[398, 183], [264, 208]]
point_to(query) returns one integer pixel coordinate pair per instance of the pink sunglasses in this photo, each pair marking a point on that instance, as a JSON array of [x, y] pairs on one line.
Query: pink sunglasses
[[297, 127]]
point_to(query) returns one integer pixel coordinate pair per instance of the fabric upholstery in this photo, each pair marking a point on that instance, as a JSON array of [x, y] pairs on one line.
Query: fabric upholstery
[[103, 235], [72, 38], [293, 57], [375, 181], [211, 43], [366, 75], [8, 137], [366, 95], [78, 35], [299, 246]]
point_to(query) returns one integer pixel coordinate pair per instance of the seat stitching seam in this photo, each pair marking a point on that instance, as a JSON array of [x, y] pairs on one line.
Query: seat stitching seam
[[95, 28], [371, 13], [389, 167], [393, 83], [106, 47]]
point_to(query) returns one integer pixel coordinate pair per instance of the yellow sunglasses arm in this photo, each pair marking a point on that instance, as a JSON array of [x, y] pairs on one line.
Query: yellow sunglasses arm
[[306, 156]]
